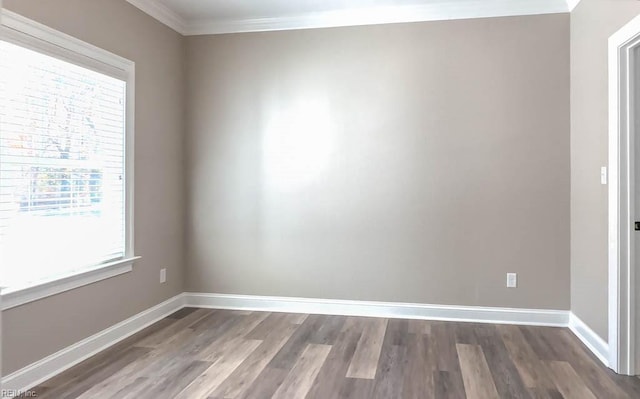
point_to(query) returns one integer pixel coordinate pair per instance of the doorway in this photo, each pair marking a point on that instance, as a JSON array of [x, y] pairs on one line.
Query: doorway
[[624, 198]]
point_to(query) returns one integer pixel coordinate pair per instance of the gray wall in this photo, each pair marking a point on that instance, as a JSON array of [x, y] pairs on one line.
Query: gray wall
[[592, 22], [410, 162], [35, 330]]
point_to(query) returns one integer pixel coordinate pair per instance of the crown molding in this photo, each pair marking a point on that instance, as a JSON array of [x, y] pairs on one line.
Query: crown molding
[[162, 13], [571, 4], [435, 10]]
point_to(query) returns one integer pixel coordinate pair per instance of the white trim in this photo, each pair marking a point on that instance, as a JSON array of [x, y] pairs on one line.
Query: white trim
[[12, 297], [52, 365], [621, 204], [430, 11], [34, 34], [162, 13], [42, 370], [572, 4], [537, 317], [589, 338], [129, 166], [1, 35], [31, 34], [437, 11]]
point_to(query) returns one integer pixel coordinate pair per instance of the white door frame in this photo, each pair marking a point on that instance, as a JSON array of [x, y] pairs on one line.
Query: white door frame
[[621, 199], [1, 12]]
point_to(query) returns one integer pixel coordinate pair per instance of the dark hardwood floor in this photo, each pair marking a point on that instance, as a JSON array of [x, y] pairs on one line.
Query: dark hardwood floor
[[199, 353]]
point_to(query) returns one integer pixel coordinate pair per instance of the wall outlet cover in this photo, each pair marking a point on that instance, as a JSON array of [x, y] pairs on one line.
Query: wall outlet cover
[[512, 280], [163, 276]]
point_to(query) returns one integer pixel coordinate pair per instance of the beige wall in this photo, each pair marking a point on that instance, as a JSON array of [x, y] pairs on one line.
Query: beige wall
[[35, 330], [592, 22], [410, 162]]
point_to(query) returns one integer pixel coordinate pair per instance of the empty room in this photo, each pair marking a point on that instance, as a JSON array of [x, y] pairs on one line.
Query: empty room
[[253, 199]]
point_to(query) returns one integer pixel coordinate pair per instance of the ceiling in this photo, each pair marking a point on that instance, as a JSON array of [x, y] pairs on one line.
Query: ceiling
[[201, 17]]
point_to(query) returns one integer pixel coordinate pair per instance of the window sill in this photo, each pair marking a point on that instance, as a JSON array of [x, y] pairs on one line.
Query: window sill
[[12, 297]]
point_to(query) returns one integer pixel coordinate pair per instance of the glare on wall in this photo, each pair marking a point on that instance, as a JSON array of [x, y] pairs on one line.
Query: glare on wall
[[298, 142]]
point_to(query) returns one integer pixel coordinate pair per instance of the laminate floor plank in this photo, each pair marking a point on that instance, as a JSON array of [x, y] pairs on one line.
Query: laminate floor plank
[[629, 385], [365, 359], [171, 384], [505, 374], [211, 378], [266, 384], [156, 339], [180, 314], [218, 321], [228, 340], [543, 393], [448, 385], [297, 318], [112, 387], [355, 324], [271, 323], [389, 381], [419, 327], [448, 381], [356, 388], [329, 330], [540, 345], [249, 370], [331, 377], [587, 365], [569, 382], [465, 333], [420, 366], [288, 355], [532, 370], [397, 332], [227, 354], [300, 379], [445, 347], [130, 390], [85, 367], [77, 386], [476, 375]]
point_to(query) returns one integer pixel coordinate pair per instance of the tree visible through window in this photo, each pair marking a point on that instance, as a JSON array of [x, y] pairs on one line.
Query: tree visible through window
[[62, 143]]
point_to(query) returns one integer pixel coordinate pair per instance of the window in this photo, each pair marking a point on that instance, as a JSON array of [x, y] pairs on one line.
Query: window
[[65, 138]]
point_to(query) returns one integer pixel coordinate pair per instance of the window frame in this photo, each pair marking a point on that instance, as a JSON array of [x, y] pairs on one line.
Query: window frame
[[27, 33]]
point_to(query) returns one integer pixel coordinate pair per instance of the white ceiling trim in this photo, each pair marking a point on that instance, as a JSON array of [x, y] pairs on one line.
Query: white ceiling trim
[[572, 4], [162, 13], [383, 15], [433, 11]]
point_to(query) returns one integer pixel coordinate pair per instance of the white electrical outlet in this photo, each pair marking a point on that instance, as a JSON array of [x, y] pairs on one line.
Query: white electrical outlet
[[512, 280], [163, 276]]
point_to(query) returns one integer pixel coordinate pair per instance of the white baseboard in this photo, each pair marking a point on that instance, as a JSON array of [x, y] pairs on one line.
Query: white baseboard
[[56, 363], [537, 317], [40, 371], [589, 338]]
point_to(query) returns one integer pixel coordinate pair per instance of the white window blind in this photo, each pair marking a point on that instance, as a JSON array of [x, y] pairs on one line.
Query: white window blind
[[62, 160]]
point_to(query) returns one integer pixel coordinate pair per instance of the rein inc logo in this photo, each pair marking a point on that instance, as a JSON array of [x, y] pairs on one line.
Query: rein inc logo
[[16, 393]]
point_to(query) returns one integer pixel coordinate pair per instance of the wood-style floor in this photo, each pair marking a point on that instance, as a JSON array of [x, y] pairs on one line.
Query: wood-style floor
[[199, 353]]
